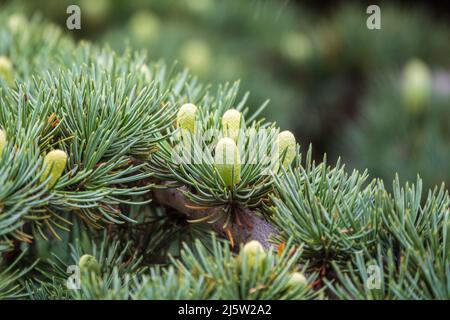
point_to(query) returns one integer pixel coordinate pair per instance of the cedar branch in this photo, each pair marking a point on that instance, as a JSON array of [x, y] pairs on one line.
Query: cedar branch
[[254, 228]]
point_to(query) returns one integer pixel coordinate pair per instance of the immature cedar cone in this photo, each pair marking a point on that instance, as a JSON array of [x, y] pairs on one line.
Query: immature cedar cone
[[297, 280], [254, 252], [286, 140], [296, 47], [3, 141], [6, 70], [146, 72], [55, 163], [416, 85], [17, 22], [88, 263], [231, 123], [227, 161], [186, 117]]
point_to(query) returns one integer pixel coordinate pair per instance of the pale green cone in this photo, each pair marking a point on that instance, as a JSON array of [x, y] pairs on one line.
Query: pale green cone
[[6, 70], [17, 22], [286, 140], [88, 263], [226, 159], [254, 252], [145, 71], [55, 163], [297, 280], [231, 123], [416, 85], [3, 141], [186, 117]]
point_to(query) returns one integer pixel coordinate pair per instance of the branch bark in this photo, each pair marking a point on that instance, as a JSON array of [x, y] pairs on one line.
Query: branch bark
[[255, 228]]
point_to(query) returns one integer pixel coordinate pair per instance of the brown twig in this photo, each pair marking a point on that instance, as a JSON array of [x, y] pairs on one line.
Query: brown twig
[[257, 227]]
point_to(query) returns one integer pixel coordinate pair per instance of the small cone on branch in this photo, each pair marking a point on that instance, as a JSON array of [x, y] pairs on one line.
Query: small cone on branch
[[55, 163], [227, 161], [3, 141], [297, 280], [6, 70], [16, 23], [145, 71], [416, 85], [88, 263], [286, 147], [231, 123], [254, 252], [186, 117]]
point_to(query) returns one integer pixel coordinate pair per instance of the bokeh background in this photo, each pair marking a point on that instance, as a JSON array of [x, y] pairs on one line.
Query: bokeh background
[[380, 99]]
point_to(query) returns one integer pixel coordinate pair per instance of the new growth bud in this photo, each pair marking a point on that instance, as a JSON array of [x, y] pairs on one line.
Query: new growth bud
[[88, 263], [54, 163], [286, 147], [145, 71], [227, 161], [186, 117], [254, 252], [231, 123], [416, 85], [6, 70], [297, 280], [16, 23]]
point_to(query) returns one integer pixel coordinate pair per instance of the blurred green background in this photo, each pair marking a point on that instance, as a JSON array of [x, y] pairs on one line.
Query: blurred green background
[[380, 99]]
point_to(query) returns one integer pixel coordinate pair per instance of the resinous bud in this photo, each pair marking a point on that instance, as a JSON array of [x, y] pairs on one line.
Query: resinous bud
[[231, 123], [227, 161], [416, 85], [186, 117], [54, 163], [286, 147]]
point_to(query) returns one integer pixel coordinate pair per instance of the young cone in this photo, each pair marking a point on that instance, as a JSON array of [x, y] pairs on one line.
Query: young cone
[[254, 252], [186, 117], [297, 280], [416, 85], [227, 161], [146, 73], [17, 22], [55, 163], [6, 70], [231, 123], [88, 263], [286, 141], [3, 141]]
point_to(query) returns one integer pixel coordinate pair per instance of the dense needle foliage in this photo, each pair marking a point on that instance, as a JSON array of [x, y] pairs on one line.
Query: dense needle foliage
[[114, 116]]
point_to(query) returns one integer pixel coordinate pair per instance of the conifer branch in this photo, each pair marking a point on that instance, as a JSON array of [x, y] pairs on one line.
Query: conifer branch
[[118, 122], [247, 226]]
